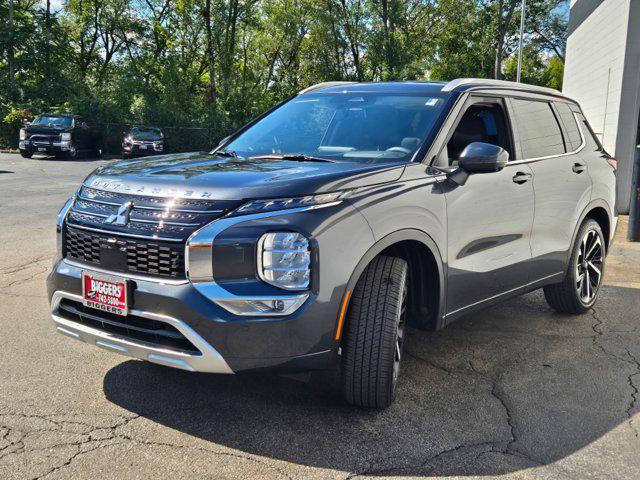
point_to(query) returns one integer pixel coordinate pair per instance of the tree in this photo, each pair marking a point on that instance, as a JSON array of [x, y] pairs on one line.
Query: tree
[[210, 65]]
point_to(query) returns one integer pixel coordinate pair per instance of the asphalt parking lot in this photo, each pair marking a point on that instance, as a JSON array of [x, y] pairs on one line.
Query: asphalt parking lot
[[516, 391]]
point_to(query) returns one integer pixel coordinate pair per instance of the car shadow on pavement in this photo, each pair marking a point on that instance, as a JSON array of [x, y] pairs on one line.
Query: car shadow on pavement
[[512, 387]]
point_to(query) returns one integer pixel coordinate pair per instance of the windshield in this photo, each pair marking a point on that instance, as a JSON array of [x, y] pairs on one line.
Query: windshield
[[146, 132], [53, 121], [354, 127]]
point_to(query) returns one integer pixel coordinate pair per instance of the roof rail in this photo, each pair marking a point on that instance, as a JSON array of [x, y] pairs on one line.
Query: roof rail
[[497, 83], [318, 86]]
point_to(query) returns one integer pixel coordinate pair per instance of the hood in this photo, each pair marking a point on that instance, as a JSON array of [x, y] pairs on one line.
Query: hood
[[46, 129], [145, 137], [200, 175]]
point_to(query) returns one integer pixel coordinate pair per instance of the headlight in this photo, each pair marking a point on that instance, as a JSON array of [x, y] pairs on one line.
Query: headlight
[[65, 137], [284, 260], [258, 206], [23, 134]]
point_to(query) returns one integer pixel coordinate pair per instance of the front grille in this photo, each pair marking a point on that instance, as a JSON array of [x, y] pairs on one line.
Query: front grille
[[153, 332], [147, 239], [161, 259], [43, 139], [163, 218]]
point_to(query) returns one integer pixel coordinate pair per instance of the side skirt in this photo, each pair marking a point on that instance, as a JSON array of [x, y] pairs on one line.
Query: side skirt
[[482, 304]]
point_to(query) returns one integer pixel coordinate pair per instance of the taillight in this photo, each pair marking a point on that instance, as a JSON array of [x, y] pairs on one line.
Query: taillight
[[613, 162]]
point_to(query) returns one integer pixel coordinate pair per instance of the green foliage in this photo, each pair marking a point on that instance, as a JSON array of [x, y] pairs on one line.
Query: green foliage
[[214, 64], [10, 124]]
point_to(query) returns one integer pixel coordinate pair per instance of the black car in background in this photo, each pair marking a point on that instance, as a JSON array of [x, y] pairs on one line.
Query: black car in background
[[141, 141], [65, 136]]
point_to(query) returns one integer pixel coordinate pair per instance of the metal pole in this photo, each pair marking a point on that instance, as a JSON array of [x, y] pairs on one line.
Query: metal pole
[[633, 234], [524, 3]]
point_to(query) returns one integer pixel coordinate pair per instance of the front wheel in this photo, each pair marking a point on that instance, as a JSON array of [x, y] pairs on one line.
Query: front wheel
[[73, 153], [579, 290], [26, 154], [375, 334]]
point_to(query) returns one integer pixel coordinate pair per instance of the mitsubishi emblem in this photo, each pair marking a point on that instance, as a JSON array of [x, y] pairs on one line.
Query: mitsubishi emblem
[[122, 217]]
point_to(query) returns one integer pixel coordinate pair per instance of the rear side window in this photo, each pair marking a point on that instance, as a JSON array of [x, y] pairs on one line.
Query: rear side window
[[538, 128], [590, 137], [574, 140]]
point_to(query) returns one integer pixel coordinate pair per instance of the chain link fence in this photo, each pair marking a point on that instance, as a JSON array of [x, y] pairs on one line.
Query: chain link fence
[[177, 138]]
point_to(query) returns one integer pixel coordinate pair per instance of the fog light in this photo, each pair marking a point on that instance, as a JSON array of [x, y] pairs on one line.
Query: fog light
[[284, 260], [262, 306]]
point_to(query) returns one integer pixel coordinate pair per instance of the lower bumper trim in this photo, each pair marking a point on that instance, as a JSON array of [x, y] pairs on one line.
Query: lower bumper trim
[[209, 360]]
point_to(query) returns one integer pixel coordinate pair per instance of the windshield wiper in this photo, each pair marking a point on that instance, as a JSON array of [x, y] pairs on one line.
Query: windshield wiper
[[224, 153], [294, 157]]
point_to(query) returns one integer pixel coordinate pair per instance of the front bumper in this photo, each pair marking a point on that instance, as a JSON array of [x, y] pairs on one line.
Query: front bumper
[[42, 147], [298, 341], [209, 360], [136, 150]]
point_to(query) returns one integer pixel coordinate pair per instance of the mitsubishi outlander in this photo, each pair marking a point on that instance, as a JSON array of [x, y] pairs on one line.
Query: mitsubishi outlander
[[313, 237]]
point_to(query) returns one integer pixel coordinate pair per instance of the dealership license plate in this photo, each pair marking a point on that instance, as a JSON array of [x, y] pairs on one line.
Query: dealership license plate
[[105, 293], [42, 149]]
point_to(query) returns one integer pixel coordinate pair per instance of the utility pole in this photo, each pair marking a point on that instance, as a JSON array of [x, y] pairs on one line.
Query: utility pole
[[524, 6], [10, 53]]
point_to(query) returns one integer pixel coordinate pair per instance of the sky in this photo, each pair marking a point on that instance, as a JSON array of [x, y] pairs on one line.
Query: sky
[[56, 5]]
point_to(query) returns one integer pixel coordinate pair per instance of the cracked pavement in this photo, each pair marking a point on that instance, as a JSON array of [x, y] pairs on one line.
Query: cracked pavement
[[515, 391]]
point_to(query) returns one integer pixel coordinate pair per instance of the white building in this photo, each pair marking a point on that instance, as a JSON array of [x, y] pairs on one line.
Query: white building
[[602, 72]]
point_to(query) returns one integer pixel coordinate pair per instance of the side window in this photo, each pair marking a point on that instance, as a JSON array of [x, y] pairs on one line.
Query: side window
[[540, 133], [485, 123], [591, 138], [574, 140]]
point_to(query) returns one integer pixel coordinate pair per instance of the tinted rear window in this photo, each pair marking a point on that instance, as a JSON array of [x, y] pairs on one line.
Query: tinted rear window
[[538, 128], [570, 125]]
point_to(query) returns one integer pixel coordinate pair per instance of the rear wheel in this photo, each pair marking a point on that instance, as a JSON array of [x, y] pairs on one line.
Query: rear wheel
[[374, 341], [579, 290]]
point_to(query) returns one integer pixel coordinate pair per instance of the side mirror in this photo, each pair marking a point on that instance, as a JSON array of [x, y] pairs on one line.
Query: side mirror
[[25, 122], [479, 157]]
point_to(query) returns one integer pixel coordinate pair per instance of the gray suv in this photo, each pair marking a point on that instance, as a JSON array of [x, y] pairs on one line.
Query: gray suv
[[313, 237]]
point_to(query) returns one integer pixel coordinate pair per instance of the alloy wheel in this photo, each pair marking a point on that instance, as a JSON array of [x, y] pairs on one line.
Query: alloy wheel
[[400, 333], [589, 265]]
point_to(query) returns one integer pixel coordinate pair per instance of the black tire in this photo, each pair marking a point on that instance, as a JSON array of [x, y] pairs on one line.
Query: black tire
[[578, 292], [26, 154], [73, 153], [375, 334]]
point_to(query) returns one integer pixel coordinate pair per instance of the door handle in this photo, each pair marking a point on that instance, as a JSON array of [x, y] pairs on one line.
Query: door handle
[[578, 167], [521, 177]]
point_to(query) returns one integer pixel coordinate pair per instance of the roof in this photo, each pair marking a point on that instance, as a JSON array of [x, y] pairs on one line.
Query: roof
[[488, 82], [457, 85], [408, 86], [63, 115]]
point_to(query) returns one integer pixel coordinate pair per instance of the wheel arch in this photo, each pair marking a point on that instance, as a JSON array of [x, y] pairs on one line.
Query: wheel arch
[[601, 212], [426, 270]]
